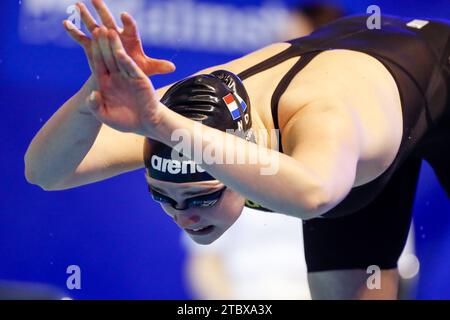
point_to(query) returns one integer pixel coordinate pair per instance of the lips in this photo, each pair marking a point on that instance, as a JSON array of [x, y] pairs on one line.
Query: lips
[[200, 231]]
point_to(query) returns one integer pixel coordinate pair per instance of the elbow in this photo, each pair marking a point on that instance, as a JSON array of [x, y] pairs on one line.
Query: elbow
[[315, 203], [43, 186], [30, 174], [33, 178], [318, 206], [326, 197]]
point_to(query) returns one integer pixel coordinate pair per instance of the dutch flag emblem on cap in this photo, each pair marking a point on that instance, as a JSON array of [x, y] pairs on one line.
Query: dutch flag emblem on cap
[[232, 106], [242, 102]]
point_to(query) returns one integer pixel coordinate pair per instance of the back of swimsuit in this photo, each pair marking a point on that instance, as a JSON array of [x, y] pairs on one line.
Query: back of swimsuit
[[417, 58]]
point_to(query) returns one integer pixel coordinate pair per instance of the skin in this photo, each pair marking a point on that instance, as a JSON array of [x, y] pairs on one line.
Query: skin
[[222, 215], [336, 134], [351, 284]]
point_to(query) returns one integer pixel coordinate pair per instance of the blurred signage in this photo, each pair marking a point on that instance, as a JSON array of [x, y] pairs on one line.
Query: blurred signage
[[181, 24]]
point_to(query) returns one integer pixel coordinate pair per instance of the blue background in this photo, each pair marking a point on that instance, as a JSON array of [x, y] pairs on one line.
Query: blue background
[[126, 247]]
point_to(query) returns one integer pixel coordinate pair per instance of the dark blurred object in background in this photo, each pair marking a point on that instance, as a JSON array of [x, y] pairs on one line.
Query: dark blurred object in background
[[308, 16], [319, 14]]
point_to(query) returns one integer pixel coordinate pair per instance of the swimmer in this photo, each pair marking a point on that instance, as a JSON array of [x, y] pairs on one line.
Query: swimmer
[[357, 111]]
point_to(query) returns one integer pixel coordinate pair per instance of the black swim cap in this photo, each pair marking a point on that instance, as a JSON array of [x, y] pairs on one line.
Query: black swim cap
[[218, 100]]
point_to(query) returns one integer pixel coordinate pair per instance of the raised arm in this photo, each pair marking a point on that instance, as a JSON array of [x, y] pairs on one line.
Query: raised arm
[[315, 174], [317, 170], [74, 148]]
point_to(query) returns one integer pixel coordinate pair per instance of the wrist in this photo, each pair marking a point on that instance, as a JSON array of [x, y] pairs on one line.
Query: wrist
[[91, 84], [87, 88], [160, 126], [83, 96]]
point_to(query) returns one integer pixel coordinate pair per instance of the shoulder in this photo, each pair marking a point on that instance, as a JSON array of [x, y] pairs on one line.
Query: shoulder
[[330, 127]]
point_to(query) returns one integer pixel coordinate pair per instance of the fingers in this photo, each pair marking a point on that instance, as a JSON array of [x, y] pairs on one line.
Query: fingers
[[130, 66], [104, 13], [127, 66], [106, 50], [100, 68], [109, 55], [77, 34], [129, 26], [157, 66], [152, 66], [118, 51], [162, 66], [86, 17]]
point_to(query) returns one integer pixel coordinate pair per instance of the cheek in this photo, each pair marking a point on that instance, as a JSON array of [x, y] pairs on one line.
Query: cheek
[[200, 213], [230, 207], [222, 215]]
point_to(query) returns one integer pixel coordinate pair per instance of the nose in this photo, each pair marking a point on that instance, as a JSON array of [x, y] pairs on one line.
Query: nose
[[185, 220]]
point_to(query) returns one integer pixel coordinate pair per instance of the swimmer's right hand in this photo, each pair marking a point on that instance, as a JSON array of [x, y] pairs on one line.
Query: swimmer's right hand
[[129, 37]]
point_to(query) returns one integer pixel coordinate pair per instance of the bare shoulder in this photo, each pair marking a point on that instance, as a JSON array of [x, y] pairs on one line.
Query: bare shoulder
[[363, 88]]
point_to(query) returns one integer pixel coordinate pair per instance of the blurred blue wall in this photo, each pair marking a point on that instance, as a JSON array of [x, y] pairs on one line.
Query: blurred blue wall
[[126, 246]]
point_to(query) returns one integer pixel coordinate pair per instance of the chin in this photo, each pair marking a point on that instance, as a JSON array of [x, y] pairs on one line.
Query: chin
[[206, 239], [223, 216]]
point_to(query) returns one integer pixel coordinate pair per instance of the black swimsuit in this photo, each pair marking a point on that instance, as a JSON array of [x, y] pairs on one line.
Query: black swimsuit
[[370, 225]]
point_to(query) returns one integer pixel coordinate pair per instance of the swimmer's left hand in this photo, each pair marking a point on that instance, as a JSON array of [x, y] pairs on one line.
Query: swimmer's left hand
[[126, 100], [129, 35]]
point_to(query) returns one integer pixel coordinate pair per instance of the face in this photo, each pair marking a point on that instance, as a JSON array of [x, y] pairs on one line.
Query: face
[[204, 224]]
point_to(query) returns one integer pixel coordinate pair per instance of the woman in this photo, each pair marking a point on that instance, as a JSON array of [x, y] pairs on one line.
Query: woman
[[357, 110]]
